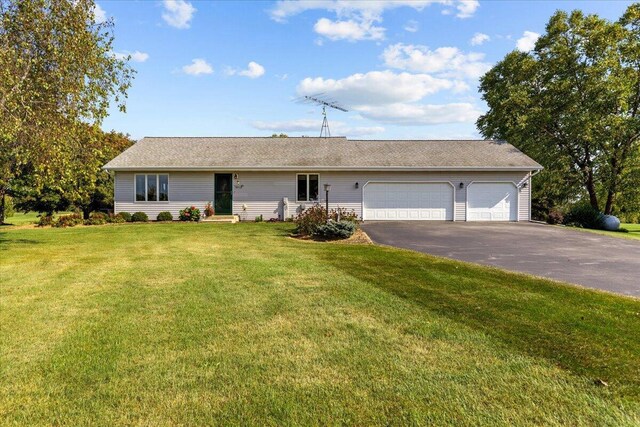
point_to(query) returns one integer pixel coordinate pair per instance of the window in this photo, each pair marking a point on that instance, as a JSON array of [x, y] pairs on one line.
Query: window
[[140, 188], [152, 188], [163, 192], [308, 185]]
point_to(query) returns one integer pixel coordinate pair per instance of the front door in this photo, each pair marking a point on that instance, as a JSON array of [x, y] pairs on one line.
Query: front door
[[223, 194]]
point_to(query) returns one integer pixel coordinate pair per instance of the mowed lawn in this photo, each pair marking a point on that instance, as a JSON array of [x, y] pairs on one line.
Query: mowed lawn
[[191, 324], [633, 231]]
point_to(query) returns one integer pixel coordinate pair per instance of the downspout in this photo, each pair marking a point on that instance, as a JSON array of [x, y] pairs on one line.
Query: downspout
[[531, 175]]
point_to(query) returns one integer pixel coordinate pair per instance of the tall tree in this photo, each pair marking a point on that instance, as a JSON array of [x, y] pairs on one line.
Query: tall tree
[[57, 73], [92, 187], [573, 104]]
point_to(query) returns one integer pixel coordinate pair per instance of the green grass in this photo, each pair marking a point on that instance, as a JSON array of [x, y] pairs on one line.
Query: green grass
[[191, 324], [633, 231], [20, 218]]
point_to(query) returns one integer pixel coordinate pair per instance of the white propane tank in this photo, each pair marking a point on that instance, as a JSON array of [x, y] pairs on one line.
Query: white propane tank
[[610, 222]]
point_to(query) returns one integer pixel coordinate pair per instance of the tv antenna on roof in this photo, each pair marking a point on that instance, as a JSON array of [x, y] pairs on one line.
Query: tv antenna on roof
[[324, 102]]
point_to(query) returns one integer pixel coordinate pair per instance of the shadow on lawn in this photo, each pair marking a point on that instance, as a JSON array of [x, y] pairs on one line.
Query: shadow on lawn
[[5, 241], [588, 333]]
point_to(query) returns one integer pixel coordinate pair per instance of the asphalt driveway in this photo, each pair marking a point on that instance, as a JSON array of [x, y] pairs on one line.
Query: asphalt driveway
[[573, 256]]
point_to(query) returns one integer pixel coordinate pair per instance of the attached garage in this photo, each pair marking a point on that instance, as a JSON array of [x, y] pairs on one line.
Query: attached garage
[[420, 201], [492, 201], [379, 180]]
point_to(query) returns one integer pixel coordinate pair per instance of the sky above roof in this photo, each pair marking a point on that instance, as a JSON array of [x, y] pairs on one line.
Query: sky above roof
[[403, 69]]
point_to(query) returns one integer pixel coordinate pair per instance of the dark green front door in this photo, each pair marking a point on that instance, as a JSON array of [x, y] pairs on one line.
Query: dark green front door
[[223, 194]]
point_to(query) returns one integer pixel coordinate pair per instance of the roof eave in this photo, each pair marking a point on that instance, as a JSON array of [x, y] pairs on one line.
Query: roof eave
[[319, 168]]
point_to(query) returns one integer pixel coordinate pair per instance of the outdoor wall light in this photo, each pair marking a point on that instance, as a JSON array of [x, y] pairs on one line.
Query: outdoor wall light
[[235, 176], [462, 185], [524, 185], [357, 185]]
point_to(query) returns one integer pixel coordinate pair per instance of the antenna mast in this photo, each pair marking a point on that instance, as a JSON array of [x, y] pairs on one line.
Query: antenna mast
[[324, 129]]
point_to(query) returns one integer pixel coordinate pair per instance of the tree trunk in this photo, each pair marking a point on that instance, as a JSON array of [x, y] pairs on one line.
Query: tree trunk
[[608, 208], [591, 189], [86, 212], [2, 206]]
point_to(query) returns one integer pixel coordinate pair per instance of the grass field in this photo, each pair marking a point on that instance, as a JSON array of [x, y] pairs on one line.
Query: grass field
[[633, 231], [191, 324], [20, 218]]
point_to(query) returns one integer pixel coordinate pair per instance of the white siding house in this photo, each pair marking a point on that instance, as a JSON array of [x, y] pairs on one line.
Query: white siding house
[[278, 177]]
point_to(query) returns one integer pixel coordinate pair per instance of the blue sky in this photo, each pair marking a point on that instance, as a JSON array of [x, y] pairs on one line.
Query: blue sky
[[404, 69]]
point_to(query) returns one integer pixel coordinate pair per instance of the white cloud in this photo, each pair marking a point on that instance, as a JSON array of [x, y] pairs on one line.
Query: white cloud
[[350, 30], [313, 126], [197, 67], [253, 71], [422, 114], [527, 42], [444, 61], [376, 87], [411, 26], [178, 13], [479, 38], [99, 14], [356, 19], [466, 8], [285, 9], [136, 56]]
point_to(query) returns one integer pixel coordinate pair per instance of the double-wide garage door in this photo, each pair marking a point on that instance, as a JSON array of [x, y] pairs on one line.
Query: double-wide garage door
[[408, 201], [424, 201]]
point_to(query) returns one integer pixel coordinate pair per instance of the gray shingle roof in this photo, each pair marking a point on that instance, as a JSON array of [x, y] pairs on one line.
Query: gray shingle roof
[[318, 153]]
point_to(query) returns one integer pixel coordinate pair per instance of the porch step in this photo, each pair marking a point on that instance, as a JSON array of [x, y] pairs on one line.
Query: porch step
[[222, 218]]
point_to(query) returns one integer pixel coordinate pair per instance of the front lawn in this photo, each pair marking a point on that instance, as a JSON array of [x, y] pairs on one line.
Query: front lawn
[[21, 218], [633, 231], [191, 324]]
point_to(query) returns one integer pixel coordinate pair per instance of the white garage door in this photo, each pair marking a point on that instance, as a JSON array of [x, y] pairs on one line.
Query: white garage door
[[492, 201], [408, 201]]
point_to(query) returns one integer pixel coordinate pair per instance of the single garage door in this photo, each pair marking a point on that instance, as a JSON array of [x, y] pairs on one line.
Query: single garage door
[[492, 201], [408, 201]]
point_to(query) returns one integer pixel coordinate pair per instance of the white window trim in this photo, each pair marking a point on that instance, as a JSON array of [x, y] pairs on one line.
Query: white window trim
[[308, 199], [135, 187]]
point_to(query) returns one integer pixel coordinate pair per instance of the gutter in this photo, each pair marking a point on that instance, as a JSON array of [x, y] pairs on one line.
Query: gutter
[[325, 168]]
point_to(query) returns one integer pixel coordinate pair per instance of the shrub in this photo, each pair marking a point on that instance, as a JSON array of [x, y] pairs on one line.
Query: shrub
[[96, 218], [259, 218], [629, 217], [336, 229], [126, 216], [45, 220], [555, 216], [190, 214], [583, 215], [139, 217], [342, 214], [115, 219], [310, 219], [68, 220], [208, 210], [165, 216]]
